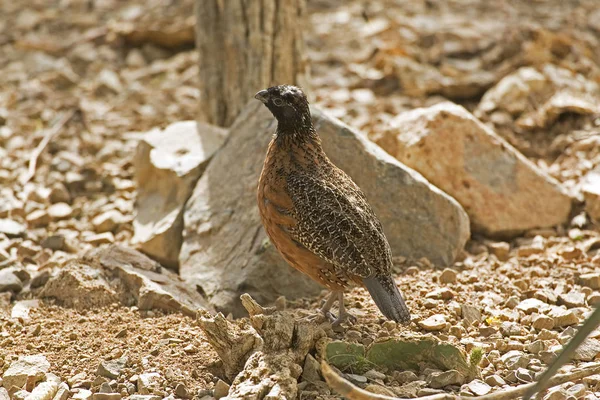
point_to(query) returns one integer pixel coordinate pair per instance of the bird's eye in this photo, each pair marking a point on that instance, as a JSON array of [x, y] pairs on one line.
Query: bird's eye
[[278, 102]]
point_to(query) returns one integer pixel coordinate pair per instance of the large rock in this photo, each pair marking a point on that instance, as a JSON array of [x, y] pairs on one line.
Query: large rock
[[168, 164], [225, 249], [498, 187], [27, 367], [119, 274], [591, 193]]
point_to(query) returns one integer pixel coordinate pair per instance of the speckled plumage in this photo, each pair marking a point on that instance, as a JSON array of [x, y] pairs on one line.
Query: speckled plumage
[[314, 214]]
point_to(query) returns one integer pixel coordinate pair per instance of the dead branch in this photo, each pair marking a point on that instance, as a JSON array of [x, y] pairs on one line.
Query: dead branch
[[352, 392], [48, 136]]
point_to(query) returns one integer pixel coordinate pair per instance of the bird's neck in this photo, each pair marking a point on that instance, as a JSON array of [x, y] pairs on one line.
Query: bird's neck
[[297, 135]]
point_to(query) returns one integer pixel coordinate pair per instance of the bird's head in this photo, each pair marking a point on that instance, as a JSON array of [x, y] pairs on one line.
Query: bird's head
[[289, 106]]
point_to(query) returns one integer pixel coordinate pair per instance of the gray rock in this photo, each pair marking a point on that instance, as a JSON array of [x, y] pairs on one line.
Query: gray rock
[[9, 281], [470, 313], [514, 359], [588, 350], [225, 250], [221, 389], [495, 380], [54, 242], [478, 387], [167, 165], [152, 286], [112, 368], [572, 299], [34, 366], [40, 279], [498, 187], [148, 382], [181, 391], [311, 372], [438, 380]]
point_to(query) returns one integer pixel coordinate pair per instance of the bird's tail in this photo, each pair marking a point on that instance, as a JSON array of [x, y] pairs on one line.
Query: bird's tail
[[387, 297]]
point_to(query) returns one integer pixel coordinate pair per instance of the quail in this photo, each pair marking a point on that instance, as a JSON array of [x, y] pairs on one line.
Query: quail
[[317, 217]]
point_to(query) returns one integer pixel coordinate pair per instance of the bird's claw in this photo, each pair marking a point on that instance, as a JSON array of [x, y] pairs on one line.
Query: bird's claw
[[342, 318]]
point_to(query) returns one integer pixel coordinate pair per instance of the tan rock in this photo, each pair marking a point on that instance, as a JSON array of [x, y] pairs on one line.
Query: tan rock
[[60, 211], [101, 238], [434, 323], [500, 249], [225, 250], [498, 187], [38, 218], [563, 317], [167, 165], [448, 276], [107, 221]]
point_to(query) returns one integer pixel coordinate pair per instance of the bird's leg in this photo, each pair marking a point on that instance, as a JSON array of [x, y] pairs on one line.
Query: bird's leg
[[343, 315], [326, 309]]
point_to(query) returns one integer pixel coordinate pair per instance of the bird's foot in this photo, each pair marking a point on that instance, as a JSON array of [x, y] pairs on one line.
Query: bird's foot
[[343, 317]]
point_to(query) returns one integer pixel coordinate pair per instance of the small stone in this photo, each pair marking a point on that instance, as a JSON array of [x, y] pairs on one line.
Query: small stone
[[60, 211], [374, 375], [112, 369], [59, 194], [442, 294], [101, 238], [63, 392], [529, 306], [221, 389], [148, 382], [82, 394], [524, 375], [514, 359], [542, 321], [479, 388], [448, 276], [357, 378], [511, 302], [500, 250], [527, 251], [536, 347], [572, 299], [495, 380], [108, 221], [470, 313], [434, 323], [54, 242], [311, 370], [577, 391], [438, 380], [181, 391], [143, 397], [32, 367], [556, 394], [563, 317], [106, 396], [403, 377], [38, 218], [11, 228], [40, 279], [591, 280], [588, 350], [9, 281], [104, 386], [378, 389], [594, 299]]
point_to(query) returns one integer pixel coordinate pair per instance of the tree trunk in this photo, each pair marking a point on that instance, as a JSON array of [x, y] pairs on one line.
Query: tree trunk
[[246, 46]]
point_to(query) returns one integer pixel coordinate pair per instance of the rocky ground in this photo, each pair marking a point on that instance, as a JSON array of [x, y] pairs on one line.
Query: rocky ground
[[81, 315]]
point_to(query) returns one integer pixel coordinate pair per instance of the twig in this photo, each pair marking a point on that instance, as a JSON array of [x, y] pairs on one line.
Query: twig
[[352, 392], [49, 135]]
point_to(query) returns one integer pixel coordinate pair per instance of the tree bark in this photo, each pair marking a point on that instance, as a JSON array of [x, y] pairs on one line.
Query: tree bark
[[246, 46]]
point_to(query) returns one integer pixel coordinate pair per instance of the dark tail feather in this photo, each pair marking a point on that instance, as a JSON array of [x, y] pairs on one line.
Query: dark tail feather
[[387, 297]]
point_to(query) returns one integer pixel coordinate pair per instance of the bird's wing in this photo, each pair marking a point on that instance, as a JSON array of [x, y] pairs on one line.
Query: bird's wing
[[335, 222]]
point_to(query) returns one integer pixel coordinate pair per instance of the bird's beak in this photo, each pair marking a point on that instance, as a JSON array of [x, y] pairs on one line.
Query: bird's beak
[[263, 96]]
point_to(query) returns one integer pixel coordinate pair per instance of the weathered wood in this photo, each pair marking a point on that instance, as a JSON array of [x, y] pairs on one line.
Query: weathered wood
[[245, 46]]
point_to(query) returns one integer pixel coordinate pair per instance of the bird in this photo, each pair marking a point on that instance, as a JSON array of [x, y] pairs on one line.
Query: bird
[[317, 217]]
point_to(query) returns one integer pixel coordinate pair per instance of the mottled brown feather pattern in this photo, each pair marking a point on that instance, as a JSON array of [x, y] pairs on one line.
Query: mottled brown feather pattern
[[315, 215]]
